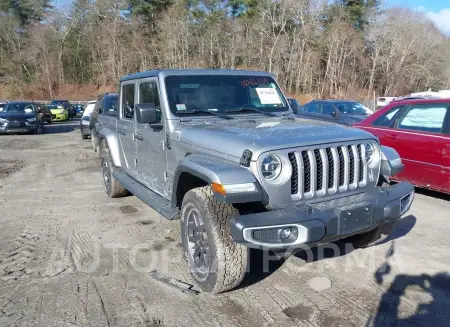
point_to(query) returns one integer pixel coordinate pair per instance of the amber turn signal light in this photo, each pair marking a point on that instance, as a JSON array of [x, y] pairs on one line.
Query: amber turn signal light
[[218, 188]]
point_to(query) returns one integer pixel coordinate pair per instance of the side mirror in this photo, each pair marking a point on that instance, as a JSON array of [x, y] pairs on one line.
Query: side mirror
[[294, 105], [146, 113], [334, 113]]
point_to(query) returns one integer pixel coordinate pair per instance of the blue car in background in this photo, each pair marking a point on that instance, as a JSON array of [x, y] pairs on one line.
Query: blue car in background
[[79, 109]]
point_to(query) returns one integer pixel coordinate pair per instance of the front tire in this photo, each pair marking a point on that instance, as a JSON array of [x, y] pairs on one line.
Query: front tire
[[216, 263], [369, 238], [112, 186]]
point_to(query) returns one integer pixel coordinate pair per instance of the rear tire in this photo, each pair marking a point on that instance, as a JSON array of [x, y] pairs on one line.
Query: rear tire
[[369, 238], [216, 263], [112, 186]]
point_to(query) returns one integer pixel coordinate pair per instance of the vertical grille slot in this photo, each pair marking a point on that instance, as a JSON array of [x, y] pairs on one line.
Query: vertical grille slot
[[330, 168], [319, 167], [294, 178], [361, 164], [341, 166], [307, 172], [352, 164]]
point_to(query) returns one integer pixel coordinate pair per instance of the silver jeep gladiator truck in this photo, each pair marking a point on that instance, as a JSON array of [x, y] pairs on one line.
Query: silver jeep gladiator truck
[[222, 151]]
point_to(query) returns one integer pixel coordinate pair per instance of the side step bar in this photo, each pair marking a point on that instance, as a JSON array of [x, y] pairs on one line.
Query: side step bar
[[154, 200]]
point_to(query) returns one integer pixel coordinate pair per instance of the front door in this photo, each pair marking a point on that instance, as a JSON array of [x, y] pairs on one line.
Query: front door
[[150, 141], [126, 128], [420, 142]]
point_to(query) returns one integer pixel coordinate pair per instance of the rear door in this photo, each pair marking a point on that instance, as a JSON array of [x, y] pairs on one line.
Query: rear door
[[150, 142], [126, 127], [420, 140]]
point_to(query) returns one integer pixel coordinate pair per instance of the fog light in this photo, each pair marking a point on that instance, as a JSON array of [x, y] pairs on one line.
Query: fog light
[[285, 233]]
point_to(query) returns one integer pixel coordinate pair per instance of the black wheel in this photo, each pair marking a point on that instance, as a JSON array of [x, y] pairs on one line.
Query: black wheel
[[39, 129], [51, 120], [369, 238], [112, 186], [84, 137], [216, 263]]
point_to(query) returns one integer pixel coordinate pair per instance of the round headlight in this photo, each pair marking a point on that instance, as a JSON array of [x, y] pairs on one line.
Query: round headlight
[[271, 167], [372, 155]]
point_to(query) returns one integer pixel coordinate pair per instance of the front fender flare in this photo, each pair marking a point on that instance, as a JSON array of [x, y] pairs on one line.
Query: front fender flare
[[215, 170], [113, 144]]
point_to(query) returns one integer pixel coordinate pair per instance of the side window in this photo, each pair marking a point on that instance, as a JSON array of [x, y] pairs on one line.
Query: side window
[[148, 93], [385, 119], [314, 108], [426, 118], [110, 105], [128, 101], [327, 109], [99, 105]]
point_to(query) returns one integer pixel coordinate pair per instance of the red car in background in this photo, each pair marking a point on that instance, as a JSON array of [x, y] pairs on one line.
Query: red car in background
[[420, 132]]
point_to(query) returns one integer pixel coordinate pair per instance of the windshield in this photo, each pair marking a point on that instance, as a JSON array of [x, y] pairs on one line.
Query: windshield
[[89, 109], [25, 108], [54, 107], [221, 93], [353, 108]]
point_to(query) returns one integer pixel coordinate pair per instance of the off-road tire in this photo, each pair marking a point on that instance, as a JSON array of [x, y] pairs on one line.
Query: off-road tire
[[228, 260], [369, 238], [112, 186]]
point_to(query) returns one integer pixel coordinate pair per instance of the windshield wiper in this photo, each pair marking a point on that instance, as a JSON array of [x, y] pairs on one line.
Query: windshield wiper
[[250, 109], [195, 111]]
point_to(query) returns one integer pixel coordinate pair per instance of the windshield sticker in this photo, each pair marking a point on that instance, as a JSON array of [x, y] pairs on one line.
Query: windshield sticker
[[189, 86], [181, 106], [268, 95], [254, 81], [268, 124]]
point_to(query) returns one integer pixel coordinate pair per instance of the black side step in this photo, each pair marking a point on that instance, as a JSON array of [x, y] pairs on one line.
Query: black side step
[[154, 200]]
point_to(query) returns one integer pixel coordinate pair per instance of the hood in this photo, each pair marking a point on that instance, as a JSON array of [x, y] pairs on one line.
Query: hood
[[57, 111], [232, 137], [16, 115]]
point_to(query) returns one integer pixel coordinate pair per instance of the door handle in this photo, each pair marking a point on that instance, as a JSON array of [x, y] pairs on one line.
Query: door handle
[[138, 137], [122, 131], [391, 137]]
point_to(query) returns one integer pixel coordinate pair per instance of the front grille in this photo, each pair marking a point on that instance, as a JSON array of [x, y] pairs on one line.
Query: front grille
[[330, 168], [327, 170], [294, 178], [306, 173]]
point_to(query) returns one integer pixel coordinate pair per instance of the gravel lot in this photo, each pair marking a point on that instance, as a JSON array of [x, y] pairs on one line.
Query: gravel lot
[[71, 256]]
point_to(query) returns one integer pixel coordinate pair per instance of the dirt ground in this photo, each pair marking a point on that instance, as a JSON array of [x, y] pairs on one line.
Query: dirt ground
[[71, 256]]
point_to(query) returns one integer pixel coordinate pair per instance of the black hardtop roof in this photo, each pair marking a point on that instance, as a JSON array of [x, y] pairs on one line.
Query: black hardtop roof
[[168, 72]]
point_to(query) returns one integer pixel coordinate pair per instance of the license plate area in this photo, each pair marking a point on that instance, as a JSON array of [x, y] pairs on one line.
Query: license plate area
[[355, 219], [14, 124]]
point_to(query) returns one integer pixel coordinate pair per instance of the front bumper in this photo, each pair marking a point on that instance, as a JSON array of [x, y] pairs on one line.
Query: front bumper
[[60, 117], [323, 222], [22, 127]]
